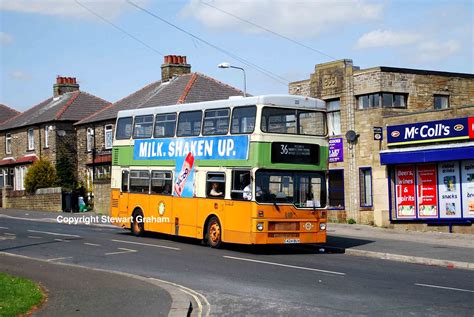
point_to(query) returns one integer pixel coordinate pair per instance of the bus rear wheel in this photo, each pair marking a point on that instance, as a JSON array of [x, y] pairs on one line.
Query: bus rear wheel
[[214, 233], [137, 227]]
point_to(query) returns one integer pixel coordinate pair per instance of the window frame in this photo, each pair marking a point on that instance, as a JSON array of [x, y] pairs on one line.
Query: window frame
[[175, 125], [8, 143], [239, 193], [166, 179], [134, 136], [215, 119], [108, 129], [297, 121], [192, 128], [46, 136], [117, 128], [435, 96], [208, 188], [363, 188], [31, 139], [89, 139], [331, 206], [130, 181], [379, 96], [330, 127], [232, 120]]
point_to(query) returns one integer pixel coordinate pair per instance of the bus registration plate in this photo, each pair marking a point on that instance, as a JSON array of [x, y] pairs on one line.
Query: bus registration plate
[[289, 241]]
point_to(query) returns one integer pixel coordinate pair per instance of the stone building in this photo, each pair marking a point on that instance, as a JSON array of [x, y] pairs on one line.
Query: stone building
[[7, 113], [95, 133], [45, 131], [367, 107]]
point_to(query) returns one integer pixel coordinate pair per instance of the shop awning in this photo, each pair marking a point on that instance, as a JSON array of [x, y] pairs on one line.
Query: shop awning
[[21, 160], [436, 153]]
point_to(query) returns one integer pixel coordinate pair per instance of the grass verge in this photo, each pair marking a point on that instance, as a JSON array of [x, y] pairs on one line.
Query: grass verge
[[17, 295]]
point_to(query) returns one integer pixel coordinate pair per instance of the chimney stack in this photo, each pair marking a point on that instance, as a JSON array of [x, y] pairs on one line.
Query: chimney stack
[[64, 84], [174, 66]]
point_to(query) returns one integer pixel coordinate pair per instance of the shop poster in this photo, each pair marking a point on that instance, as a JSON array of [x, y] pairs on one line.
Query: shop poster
[[449, 190], [405, 188], [427, 191], [467, 172]]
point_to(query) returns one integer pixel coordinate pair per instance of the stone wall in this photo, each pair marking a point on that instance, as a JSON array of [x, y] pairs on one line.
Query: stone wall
[[102, 198], [45, 199]]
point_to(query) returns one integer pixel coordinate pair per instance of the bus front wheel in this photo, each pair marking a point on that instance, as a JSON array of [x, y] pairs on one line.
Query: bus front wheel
[[137, 226], [214, 233]]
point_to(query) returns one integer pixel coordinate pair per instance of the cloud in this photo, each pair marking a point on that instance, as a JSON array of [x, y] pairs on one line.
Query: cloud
[[20, 75], [384, 38], [5, 38], [432, 51], [303, 18], [110, 9]]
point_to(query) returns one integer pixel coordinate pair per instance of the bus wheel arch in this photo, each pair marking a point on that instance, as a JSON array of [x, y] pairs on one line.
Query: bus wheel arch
[[137, 227], [213, 231]]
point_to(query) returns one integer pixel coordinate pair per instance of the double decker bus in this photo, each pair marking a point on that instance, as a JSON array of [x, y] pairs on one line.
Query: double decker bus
[[243, 170]]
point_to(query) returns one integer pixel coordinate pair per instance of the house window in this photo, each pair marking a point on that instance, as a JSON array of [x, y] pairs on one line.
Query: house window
[[20, 173], [8, 143], [386, 100], [108, 136], [334, 116], [102, 172], [441, 102], [365, 186], [47, 128], [336, 189], [90, 139], [3, 176], [31, 139]]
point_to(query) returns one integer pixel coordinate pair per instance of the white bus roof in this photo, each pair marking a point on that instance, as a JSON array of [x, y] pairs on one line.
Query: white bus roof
[[277, 100]]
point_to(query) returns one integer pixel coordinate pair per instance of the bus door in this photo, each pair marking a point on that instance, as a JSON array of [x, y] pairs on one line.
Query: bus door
[[160, 202], [123, 195]]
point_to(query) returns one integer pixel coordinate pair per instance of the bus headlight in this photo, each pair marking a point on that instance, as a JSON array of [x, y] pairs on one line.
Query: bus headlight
[[260, 226], [322, 226]]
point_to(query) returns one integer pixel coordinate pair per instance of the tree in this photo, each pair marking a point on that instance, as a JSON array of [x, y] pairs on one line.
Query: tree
[[41, 174]]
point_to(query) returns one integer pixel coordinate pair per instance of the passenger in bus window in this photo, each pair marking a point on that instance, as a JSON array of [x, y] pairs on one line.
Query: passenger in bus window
[[247, 194], [215, 190], [167, 189]]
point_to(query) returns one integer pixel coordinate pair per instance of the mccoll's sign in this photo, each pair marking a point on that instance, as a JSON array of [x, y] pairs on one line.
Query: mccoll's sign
[[424, 132]]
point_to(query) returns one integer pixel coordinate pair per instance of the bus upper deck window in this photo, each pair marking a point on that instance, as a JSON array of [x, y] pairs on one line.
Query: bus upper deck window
[[216, 122], [165, 125], [311, 123], [189, 123], [278, 120], [243, 120], [143, 127], [124, 128]]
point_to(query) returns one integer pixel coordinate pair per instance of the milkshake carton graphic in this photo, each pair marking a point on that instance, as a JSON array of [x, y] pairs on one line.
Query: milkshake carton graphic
[[183, 175]]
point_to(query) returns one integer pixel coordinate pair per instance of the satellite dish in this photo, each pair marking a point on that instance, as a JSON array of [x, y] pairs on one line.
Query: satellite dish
[[351, 136]]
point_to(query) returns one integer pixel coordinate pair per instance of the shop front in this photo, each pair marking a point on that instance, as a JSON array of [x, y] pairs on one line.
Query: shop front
[[431, 171]]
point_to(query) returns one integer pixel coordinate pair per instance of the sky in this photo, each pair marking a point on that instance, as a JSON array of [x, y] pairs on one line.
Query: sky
[[114, 48]]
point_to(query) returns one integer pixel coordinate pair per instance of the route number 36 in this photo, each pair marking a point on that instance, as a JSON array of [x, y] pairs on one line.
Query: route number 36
[[284, 149]]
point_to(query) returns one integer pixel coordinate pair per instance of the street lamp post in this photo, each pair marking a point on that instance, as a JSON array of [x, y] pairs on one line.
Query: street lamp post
[[227, 65]]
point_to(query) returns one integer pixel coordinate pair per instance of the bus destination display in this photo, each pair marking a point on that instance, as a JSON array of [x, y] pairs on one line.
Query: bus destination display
[[295, 153]]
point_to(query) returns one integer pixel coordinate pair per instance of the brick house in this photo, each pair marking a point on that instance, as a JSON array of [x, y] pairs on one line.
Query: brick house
[[95, 133], [362, 181], [7, 113], [45, 131]]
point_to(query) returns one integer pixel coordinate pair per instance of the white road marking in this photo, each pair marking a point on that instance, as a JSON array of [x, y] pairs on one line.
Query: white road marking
[[4, 228], [55, 233], [7, 238], [125, 250], [147, 244], [9, 234], [34, 237], [284, 265], [444, 287], [56, 259], [61, 240], [92, 244]]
